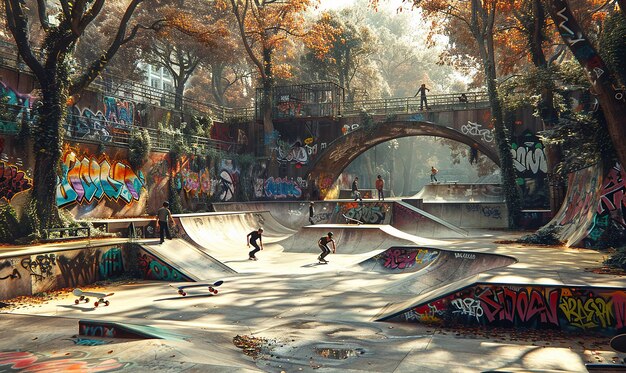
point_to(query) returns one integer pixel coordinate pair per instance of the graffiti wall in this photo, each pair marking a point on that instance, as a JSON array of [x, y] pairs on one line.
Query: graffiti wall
[[202, 180], [367, 213], [576, 215], [530, 162], [609, 221], [153, 268], [401, 259], [571, 309], [31, 274]]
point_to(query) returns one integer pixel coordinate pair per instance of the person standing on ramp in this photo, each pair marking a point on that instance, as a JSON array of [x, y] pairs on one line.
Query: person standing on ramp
[[323, 244], [311, 213], [163, 218], [251, 239]]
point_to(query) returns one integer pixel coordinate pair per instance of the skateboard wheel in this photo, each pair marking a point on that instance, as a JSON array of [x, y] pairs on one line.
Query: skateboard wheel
[[214, 291], [86, 300], [76, 301], [210, 289], [184, 294], [106, 303], [95, 304]]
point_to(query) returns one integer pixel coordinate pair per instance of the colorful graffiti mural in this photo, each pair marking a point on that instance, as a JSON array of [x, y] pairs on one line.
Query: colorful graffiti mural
[[279, 188], [577, 213], [18, 108], [154, 269], [404, 258], [12, 181], [571, 309], [367, 213], [85, 180], [116, 116], [530, 162], [611, 208], [57, 362]]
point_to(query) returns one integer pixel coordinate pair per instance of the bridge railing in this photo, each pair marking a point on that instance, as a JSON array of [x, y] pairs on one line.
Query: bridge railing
[[407, 105], [113, 86], [100, 130]]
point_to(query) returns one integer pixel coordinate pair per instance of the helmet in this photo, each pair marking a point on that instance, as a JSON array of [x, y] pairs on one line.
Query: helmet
[[330, 234]]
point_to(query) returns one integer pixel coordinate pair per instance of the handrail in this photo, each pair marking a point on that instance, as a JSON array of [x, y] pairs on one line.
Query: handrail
[[115, 133]]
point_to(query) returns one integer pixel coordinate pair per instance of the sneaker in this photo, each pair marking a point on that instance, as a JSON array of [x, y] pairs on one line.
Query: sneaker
[[250, 258]]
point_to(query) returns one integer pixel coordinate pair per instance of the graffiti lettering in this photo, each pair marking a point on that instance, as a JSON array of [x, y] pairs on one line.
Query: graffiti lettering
[[613, 194], [368, 214], [507, 304], [80, 270], [14, 274], [587, 314], [281, 188], [85, 180], [111, 264], [476, 129], [41, 266], [399, 258], [468, 306], [97, 331], [529, 157], [119, 112], [153, 269], [465, 256], [12, 181], [489, 212]]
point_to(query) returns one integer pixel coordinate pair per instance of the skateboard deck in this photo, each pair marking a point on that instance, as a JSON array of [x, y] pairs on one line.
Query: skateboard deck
[[211, 287], [618, 343], [83, 296], [348, 219]]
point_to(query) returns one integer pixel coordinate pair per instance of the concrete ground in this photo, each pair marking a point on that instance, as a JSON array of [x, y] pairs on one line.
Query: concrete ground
[[300, 317]]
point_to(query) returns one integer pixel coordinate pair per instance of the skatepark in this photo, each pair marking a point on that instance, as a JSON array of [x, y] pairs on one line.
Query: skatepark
[[407, 291]]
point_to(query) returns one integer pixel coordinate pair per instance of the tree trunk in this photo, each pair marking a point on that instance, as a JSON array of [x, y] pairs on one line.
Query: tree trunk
[[267, 104], [179, 95], [216, 83], [547, 111], [612, 99], [511, 192], [47, 147]]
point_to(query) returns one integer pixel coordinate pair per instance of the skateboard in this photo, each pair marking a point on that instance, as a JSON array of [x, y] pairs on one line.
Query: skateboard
[[349, 219], [84, 296], [618, 343], [181, 289]]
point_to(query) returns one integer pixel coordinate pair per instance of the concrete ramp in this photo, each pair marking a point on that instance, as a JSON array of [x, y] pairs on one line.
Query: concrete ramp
[[188, 259], [112, 329], [291, 214], [416, 221], [455, 192], [351, 239]]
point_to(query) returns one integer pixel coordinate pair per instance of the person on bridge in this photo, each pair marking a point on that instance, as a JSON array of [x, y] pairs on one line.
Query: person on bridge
[[433, 174], [463, 98], [251, 239], [380, 185], [311, 213], [164, 215], [355, 189], [323, 244], [422, 92]]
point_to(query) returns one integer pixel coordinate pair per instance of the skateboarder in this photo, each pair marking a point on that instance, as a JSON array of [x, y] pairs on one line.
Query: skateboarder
[[251, 239], [433, 174], [355, 189], [380, 185], [323, 244], [311, 213], [163, 217]]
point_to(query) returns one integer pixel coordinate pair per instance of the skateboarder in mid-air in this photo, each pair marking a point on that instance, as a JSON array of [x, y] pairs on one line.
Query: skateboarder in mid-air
[[251, 239], [323, 244]]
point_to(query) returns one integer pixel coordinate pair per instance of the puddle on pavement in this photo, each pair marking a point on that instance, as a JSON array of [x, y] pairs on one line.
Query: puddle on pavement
[[338, 353]]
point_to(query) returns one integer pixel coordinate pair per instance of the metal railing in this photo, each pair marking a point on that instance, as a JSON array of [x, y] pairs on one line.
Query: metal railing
[[408, 105], [113, 86], [99, 130]]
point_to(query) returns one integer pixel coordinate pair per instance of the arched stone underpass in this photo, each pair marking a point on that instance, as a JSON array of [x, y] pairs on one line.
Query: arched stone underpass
[[341, 152]]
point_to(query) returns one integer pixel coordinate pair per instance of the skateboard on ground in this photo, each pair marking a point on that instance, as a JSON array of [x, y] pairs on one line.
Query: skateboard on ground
[[181, 289], [349, 219], [618, 343], [83, 296]]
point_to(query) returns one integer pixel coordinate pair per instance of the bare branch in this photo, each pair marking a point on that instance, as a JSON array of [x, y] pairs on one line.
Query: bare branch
[[18, 24], [42, 11]]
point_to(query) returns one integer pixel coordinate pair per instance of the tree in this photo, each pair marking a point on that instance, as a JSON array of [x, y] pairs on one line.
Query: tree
[[477, 19], [264, 25], [52, 67], [611, 96], [340, 50]]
